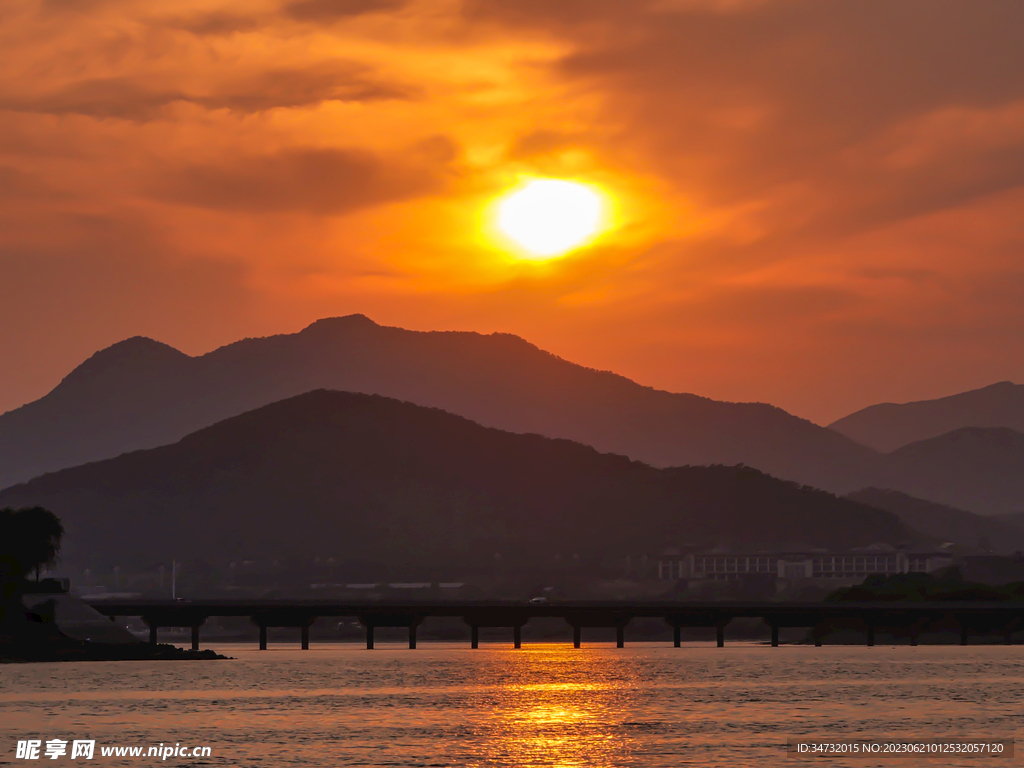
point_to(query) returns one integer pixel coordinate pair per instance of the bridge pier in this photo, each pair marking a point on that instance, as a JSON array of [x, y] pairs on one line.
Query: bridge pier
[[817, 633], [161, 617], [284, 617], [910, 619], [372, 620], [617, 619], [514, 618]]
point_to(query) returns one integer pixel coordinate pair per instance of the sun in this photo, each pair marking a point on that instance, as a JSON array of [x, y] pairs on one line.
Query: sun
[[549, 217]]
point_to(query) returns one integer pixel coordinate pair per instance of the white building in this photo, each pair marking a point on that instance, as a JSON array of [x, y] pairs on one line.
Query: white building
[[851, 566]]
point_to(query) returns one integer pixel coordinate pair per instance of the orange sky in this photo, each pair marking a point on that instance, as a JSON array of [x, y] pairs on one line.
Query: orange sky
[[818, 204]]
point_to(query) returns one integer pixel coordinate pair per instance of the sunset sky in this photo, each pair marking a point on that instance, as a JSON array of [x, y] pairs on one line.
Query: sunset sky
[[816, 204]]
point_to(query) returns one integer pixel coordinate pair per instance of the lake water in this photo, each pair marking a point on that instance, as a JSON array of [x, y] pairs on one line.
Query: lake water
[[646, 705]]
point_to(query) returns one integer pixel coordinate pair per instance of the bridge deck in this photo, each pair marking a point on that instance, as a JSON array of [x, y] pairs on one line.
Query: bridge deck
[[969, 616]]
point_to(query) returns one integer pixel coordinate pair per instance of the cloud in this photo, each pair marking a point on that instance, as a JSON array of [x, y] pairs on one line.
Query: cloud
[[542, 142], [72, 6], [300, 87], [274, 88], [216, 24], [119, 97], [740, 102], [16, 185], [326, 11], [316, 181]]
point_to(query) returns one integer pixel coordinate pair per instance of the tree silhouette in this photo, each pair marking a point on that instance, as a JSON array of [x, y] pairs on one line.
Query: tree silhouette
[[30, 539]]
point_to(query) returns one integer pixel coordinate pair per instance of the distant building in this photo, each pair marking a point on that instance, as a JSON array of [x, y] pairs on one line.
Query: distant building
[[851, 566]]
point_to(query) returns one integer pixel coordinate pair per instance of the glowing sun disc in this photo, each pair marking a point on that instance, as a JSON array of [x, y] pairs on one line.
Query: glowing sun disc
[[548, 217]]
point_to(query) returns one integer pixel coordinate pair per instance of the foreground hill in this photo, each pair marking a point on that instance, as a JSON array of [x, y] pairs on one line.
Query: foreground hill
[[888, 426], [141, 394], [947, 523], [402, 488]]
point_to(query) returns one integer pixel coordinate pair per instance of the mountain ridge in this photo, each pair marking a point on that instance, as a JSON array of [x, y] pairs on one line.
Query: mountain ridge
[[889, 426], [368, 478], [499, 379], [946, 523], [141, 393]]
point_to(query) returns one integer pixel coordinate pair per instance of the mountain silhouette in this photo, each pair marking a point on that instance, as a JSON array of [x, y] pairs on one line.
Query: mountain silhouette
[[420, 491], [945, 523], [142, 394], [1013, 518], [974, 468], [888, 426]]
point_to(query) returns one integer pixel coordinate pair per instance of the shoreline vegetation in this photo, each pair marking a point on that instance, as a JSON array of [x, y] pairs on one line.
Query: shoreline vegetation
[[26, 637], [30, 539]]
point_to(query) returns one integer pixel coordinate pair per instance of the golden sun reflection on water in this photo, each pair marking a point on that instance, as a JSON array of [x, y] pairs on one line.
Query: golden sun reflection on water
[[644, 706], [563, 719]]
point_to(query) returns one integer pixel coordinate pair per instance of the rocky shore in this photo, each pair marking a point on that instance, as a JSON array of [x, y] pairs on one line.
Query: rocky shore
[[37, 633]]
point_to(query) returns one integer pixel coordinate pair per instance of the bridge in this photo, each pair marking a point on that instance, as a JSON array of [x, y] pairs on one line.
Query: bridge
[[912, 618]]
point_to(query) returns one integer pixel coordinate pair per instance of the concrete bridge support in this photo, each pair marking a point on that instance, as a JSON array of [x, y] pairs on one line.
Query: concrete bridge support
[[803, 620], [373, 620], [298, 619], [703, 619], [514, 619], [617, 620], [190, 619]]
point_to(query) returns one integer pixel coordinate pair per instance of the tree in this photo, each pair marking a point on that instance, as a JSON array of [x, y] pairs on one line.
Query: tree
[[30, 539]]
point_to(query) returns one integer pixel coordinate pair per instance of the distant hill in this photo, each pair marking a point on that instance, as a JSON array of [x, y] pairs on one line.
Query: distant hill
[[1013, 518], [977, 469], [402, 488], [889, 426], [140, 393], [947, 523]]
